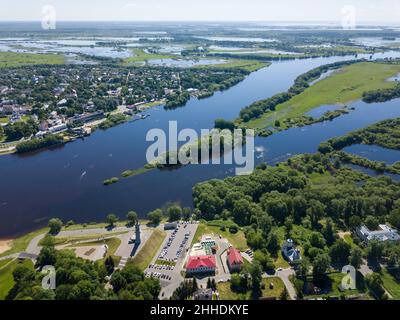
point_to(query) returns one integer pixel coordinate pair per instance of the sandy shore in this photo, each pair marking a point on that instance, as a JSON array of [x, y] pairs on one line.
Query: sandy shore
[[5, 245]]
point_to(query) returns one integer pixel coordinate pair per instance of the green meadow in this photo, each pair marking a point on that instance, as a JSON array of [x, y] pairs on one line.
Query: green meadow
[[343, 86]]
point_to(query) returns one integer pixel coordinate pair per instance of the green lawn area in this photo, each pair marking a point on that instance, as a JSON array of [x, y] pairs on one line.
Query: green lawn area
[[96, 237], [143, 258], [276, 291], [248, 65], [6, 277], [96, 225], [390, 284], [112, 243], [12, 59], [226, 292], [5, 262], [343, 86], [349, 239], [280, 262], [334, 281], [141, 56], [165, 263], [20, 244], [3, 119], [237, 240]]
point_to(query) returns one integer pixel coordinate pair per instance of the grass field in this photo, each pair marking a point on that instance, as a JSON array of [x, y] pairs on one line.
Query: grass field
[[335, 280], [141, 56], [390, 284], [276, 291], [12, 59], [343, 86], [226, 292], [143, 258], [237, 240], [112, 243], [248, 65], [6, 277], [96, 237], [3, 119], [3, 263]]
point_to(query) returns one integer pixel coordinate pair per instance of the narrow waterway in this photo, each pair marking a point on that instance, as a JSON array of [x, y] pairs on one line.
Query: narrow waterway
[[67, 182]]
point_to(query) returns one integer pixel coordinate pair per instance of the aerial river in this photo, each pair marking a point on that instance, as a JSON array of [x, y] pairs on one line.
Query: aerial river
[[66, 182]]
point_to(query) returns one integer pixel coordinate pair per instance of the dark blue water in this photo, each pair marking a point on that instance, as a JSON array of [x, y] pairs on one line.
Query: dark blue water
[[373, 173], [67, 182], [374, 153], [320, 111]]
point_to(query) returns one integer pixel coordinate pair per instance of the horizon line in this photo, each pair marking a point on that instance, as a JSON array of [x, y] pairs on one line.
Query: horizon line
[[374, 23]]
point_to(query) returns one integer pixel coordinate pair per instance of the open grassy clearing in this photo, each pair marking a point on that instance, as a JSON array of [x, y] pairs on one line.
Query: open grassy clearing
[[4, 119], [12, 59], [3, 263], [332, 287], [142, 57], [343, 86], [96, 237], [247, 65], [238, 240], [143, 258], [390, 283], [112, 243], [274, 291], [6, 277]]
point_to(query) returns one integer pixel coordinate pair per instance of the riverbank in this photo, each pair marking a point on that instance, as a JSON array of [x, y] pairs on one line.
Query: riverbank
[[343, 86], [70, 177], [5, 245]]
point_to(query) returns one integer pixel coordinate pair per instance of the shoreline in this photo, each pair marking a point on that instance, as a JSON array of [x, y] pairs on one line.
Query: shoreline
[[5, 244]]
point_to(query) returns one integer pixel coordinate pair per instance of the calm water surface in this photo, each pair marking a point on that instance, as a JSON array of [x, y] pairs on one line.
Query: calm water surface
[[67, 182]]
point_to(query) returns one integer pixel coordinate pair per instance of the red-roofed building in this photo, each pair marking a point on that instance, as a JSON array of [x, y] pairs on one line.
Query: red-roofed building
[[234, 259], [201, 264]]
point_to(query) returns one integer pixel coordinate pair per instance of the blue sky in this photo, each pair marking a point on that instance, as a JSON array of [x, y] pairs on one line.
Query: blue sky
[[203, 10]]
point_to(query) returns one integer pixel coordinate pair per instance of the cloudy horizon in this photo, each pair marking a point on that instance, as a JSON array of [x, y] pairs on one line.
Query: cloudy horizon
[[301, 11]]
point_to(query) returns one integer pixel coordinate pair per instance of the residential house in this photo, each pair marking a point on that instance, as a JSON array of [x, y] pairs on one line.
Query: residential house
[[290, 253]]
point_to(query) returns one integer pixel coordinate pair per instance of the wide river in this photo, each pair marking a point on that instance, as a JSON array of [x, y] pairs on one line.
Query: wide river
[[66, 182]]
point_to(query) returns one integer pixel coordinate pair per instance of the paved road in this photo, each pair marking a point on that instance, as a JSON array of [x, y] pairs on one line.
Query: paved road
[[284, 276], [34, 247]]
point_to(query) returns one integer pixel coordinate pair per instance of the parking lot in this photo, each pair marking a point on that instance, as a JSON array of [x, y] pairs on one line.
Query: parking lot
[[177, 242], [172, 253]]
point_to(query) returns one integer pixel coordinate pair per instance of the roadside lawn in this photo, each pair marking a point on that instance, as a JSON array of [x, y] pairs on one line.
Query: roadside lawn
[[143, 258], [390, 283], [6, 277]]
